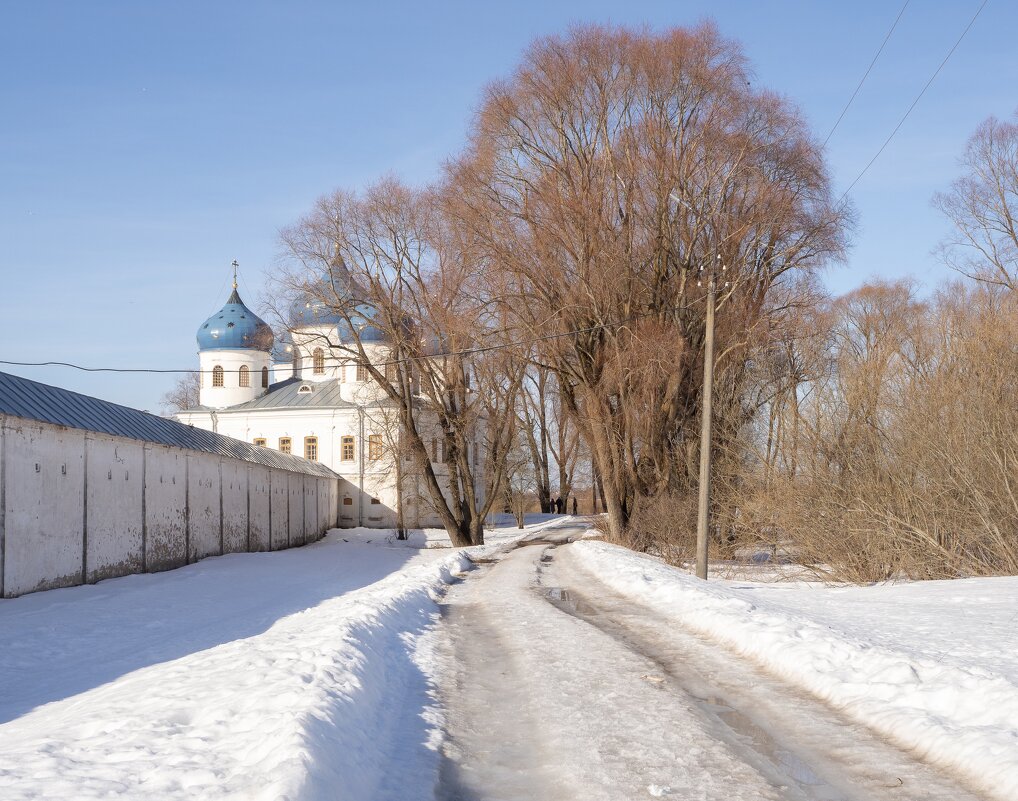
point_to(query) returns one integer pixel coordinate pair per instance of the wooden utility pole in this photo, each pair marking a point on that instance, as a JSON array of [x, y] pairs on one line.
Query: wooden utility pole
[[703, 506]]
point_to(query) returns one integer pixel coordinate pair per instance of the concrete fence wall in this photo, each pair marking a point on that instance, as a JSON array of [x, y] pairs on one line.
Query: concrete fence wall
[[78, 507]]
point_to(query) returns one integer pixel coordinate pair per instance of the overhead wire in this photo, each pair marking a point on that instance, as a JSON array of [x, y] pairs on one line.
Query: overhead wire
[[440, 354], [915, 101], [866, 74]]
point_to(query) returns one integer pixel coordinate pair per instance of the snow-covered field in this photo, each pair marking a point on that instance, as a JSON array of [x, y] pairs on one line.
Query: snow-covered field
[[289, 675], [931, 665]]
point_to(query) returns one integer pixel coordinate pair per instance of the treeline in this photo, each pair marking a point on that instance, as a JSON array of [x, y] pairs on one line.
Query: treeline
[[547, 296]]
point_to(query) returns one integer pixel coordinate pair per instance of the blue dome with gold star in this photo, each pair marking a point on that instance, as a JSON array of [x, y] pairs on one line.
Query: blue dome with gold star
[[235, 327]]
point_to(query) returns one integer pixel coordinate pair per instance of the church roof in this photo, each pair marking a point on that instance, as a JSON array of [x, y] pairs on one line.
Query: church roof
[[287, 394], [30, 400], [235, 327]]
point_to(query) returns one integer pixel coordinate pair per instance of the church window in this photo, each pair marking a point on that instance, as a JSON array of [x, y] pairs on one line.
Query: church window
[[375, 447], [362, 373], [217, 376], [375, 501], [265, 377], [318, 362], [285, 444], [260, 441], [245, 376], [346, 452], [390, 372], [311, 448]]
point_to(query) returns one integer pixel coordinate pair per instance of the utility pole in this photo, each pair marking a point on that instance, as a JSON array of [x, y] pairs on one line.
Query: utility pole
[[703, 505]]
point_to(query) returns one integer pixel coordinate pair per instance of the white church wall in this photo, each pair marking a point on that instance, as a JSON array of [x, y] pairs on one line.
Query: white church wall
[[235, 512], [165, 507], [114, 542], [259, 513], [43, 475]]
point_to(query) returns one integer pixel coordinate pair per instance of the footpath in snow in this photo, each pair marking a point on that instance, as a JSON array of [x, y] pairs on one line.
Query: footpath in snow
[[299, 674], [933, 666]]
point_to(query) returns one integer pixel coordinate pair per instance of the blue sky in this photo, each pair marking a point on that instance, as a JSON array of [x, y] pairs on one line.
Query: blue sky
[[144, 146]]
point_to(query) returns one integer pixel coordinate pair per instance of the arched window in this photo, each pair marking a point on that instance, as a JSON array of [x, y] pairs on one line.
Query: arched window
[[265, 377], [318, 358], [217, 376], [245, 376]]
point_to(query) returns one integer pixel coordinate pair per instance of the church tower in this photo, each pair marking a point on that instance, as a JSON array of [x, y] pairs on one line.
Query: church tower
[[234, 347]]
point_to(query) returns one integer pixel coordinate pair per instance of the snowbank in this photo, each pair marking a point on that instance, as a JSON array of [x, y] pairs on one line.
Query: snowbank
[[932, 700], [319, 701]]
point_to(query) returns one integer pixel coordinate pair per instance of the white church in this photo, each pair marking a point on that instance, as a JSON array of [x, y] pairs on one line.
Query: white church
[[296, 397]]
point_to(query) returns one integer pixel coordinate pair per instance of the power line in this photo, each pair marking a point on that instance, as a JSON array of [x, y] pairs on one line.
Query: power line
[[916, 101], [441, 354], [865, 75]]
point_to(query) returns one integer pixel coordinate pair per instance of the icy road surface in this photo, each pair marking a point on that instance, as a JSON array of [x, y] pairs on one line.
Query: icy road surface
[[559, 688]]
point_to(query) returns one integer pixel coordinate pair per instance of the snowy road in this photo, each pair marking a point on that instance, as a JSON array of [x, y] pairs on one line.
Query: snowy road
[[562, 689]]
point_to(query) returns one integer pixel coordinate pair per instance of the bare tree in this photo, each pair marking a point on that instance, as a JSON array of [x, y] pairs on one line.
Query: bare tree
[[183, 395], [983, 205], [602, 175], [389, 261]]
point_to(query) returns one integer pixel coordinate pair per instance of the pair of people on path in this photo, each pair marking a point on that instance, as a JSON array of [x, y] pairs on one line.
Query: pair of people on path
[[560, 505]]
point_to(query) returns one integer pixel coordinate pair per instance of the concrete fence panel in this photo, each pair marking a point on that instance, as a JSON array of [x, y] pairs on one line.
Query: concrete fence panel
[[259, 512], [235, 506], [204, 514], [43, 476], [324, 503], [114, 521], [165, 507], [296, 508], [280, 527], [311, 528]]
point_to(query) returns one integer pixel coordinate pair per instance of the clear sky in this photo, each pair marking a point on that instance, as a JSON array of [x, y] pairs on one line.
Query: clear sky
[[144, 146]]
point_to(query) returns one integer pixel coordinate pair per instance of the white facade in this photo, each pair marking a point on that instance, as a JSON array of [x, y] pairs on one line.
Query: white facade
[[321, 405]]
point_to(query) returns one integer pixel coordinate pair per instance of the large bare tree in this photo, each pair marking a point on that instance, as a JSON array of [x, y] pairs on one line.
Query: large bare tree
[[601, 177]]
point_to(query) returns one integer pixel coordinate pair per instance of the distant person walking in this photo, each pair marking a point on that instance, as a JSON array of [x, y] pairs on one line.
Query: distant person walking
[[560, 505], [574, 504]]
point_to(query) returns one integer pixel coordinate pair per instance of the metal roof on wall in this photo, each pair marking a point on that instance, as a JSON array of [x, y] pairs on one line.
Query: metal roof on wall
[[20, 397]]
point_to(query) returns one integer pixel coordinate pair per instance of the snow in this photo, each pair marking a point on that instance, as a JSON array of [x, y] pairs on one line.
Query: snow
[[932, 666], [299, 674]]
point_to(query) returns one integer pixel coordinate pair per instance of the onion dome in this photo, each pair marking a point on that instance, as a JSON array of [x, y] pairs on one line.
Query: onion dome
[[235, 327], [316, 313]]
